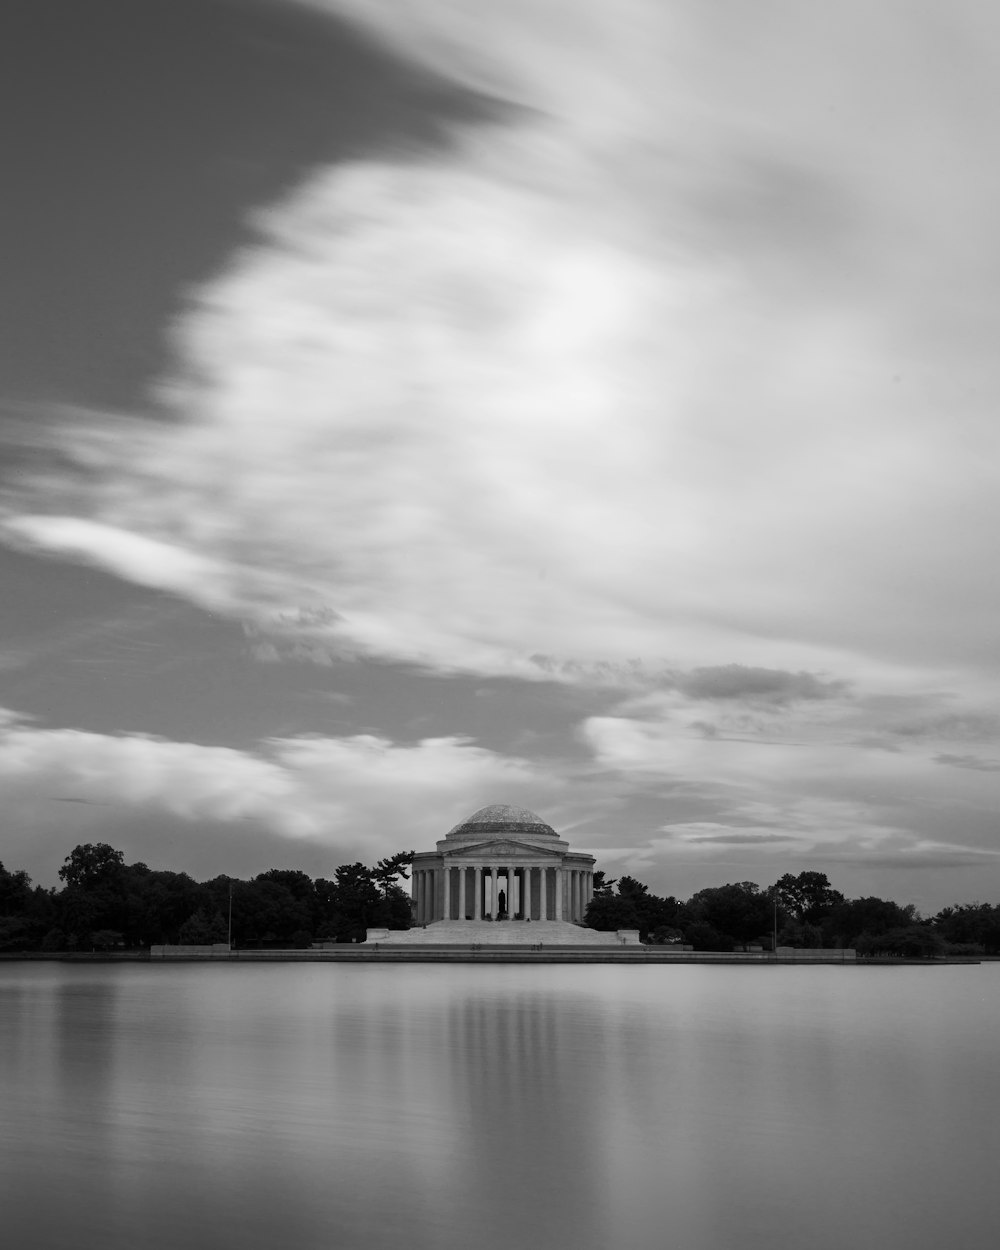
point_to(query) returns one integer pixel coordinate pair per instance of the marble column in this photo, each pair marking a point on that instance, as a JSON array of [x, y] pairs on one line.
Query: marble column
[[462, 874], [493, 892], [477, 902], [526, 906], [558, 894], [543, 894]]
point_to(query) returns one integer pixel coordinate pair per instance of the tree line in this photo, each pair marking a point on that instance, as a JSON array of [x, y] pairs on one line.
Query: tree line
[[803, 911], [106, 904]]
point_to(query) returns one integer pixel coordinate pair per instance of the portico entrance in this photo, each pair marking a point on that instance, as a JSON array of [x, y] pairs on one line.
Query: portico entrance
[[502, 864]]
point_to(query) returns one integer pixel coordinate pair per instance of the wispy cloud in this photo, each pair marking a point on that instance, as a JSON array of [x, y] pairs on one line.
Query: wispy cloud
[[738, 681], [974, 762], [360, 791], [643, 368]]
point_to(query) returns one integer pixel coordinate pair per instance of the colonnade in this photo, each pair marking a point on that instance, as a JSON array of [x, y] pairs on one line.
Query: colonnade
[[472, 892]]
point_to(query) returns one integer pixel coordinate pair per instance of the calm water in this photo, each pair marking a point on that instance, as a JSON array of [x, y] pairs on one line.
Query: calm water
[[300, 1106]]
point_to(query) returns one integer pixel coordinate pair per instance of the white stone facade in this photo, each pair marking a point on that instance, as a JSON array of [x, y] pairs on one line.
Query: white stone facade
[[502, 864]]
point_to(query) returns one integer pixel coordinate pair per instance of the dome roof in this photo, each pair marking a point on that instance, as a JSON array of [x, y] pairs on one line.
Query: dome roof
[[501, 818]]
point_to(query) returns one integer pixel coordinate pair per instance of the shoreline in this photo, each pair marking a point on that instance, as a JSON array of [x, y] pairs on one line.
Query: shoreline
[[363, 953]]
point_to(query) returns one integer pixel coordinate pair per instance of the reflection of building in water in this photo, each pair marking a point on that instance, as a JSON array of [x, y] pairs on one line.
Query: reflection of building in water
[[516, 1044], [503, 863]]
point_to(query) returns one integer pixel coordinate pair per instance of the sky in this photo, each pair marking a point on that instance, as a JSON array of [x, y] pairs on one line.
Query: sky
[[410, 405]]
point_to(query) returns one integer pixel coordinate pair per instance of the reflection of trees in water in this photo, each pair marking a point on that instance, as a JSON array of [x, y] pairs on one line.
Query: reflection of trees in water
[[65, 1046], [85, 1042]]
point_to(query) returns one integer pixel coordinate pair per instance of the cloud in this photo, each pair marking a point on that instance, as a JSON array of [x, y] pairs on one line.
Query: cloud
[[800, 789], [362, 791], [968, 761], [761, 834], [968, 725], [736, 839], [738, 681], [145, 561], [644, 367]]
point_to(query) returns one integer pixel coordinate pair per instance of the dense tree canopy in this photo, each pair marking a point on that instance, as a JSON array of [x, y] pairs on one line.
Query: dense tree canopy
[[971, 924], [739, 911], [92, 865], [106, 904], [806, 910], [807, 898]]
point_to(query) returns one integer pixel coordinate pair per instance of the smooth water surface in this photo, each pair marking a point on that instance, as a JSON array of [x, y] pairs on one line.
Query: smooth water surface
[[323, 1105]]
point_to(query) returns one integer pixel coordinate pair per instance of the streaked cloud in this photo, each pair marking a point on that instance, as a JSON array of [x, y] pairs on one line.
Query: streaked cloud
[[640, 369], [974, 762], [132, 556], [354, 792], [738, 681]]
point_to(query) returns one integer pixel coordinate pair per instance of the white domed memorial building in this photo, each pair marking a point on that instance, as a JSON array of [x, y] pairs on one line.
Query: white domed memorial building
[[505, 877]]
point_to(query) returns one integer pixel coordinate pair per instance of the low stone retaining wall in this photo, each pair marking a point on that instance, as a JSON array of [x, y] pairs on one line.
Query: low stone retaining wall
[[815, 952], [217, 950]]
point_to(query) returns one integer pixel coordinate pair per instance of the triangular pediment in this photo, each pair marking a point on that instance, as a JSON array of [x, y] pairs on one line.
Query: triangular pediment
[[505, 848]]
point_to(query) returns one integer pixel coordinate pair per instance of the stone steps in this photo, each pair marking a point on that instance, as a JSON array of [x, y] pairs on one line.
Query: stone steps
[[496, 933]]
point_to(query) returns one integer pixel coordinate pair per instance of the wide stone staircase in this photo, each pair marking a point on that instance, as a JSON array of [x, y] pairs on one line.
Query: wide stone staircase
[[496, 933]]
